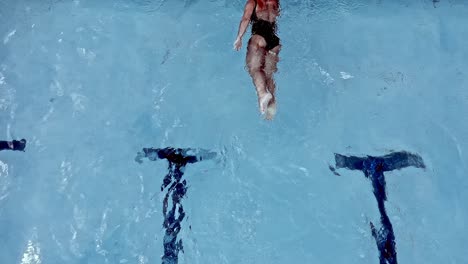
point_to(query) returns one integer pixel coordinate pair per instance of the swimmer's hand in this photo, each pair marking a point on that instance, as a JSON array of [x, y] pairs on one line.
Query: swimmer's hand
[[238, 43]]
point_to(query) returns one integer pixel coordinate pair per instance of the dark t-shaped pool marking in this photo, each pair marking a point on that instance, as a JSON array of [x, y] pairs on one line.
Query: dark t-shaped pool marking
[[18, 145], [178, 159], [374, 168]]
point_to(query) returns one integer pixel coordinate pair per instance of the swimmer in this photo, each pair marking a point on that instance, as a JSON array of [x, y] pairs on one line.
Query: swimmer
[[262, 50]]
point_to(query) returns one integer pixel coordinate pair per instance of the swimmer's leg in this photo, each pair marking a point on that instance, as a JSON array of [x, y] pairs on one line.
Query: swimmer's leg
[[255, 63], [271, 60]]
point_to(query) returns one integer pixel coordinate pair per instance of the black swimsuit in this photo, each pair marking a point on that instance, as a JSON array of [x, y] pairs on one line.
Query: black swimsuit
[[264, 28]]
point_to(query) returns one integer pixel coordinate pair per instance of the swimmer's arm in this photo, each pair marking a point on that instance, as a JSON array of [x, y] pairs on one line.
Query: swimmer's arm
[[244, 23]]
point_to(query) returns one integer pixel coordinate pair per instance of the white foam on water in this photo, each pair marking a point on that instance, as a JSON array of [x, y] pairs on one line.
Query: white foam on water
[[7, 38]]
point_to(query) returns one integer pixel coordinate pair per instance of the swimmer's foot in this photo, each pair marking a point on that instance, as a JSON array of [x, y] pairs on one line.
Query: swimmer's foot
[[263, 101], [270, 111]]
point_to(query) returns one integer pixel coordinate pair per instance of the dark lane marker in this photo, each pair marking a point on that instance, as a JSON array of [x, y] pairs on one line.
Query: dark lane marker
[[18, 145], [178, 159], [374, 168]]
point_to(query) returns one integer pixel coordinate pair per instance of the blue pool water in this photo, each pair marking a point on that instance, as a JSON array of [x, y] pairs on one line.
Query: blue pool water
[[89, 84]]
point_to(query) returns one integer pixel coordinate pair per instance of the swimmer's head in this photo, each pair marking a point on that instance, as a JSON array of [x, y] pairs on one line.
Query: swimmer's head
[[262, 3]]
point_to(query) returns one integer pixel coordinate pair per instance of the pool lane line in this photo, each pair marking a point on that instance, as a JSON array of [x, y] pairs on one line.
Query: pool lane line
[[373, 169], [176, 188]]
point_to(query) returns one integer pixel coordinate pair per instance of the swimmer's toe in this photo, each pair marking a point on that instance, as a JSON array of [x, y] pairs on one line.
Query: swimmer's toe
[[264, 100], [270, 111]]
